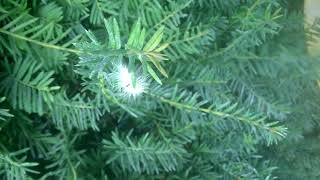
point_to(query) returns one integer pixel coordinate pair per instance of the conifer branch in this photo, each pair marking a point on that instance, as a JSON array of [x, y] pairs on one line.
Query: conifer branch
[[43, 44], [269, 127], [173, 13]]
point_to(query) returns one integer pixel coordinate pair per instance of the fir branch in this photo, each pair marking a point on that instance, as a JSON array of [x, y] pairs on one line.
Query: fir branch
[[164, 19], [143, 155], [273, 132], [43, 44], [75, 112], [13, 168], [26, 87], [4, 113], [66, 159]]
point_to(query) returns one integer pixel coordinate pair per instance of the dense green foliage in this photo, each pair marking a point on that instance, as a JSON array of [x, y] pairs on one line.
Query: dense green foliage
[[157, 89]]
